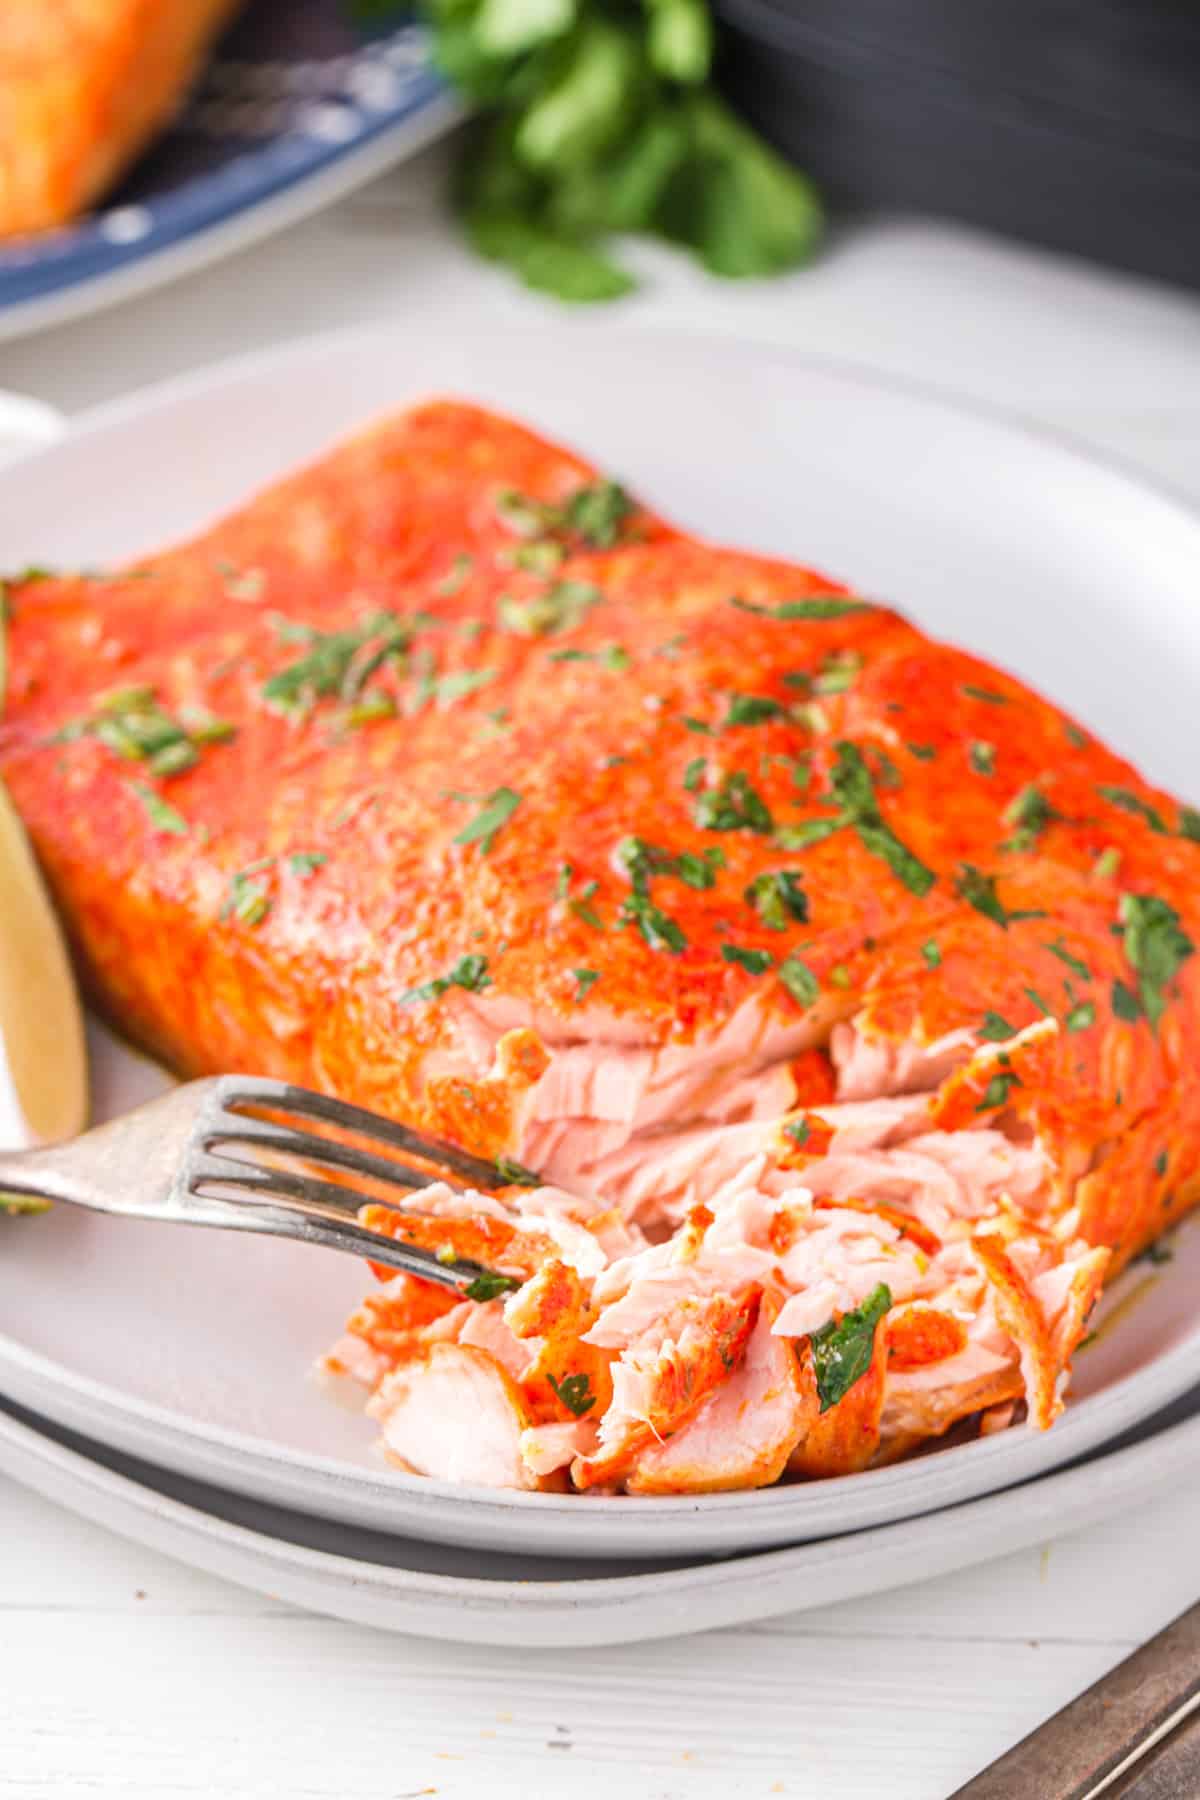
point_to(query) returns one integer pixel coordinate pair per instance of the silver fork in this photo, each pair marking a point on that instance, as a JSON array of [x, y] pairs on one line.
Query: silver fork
[[205, 1154]]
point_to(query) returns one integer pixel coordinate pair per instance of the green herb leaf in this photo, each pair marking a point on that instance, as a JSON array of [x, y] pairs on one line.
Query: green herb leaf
[[498, 809], [1073, 963], [842, 1351], [979, 891], [469, 972], [1133, 803], [931, 951], [995, 1029], [815, 606], [808, 831], [1030, 813], [1081, 1016], [755, 962], [778, 897], [852, 784], [586, 980], [490, 1285], [164, 818], [996, 1093], [1189, 823], [988, 695], [734, 805], [306, 862], [575, 1393], [799, 980], [753, 709], [1156, 946], [560, 608], [336, 662], [659, 930], [247, 899], [515, 1174], [1125, 1003], [982, 757]]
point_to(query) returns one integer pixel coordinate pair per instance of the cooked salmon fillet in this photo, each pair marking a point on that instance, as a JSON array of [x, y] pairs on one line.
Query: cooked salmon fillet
[[84, 85], [828, 997]]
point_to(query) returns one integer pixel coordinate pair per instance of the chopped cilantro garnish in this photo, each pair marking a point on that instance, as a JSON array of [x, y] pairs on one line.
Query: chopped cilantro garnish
[[733, 806], [585, 980], [1030, 813], [996, 1029], [753, 709], [594, 513], [469, 972], [693, 775], [1073, 963], [446, 689], [698, 725], [988, 695], [164, 818], [852, 784], [979, 891], [1073, 735], [1189, 823], [304, 862], [1081, 1016], [559, 608], [982, 757], [1107, 864], [132, 724], [778, 897], [515, 1174], [575, 1393], [799, 1131], [996, 1093], [455, 577], [498, 809], [1133, 803], [490, 1285], [247, 899], [1125, 1003], [1156, 946], [808, 831], [658, 929], [815, 606], [931, 951], [837, 672], [755, 962], [922, 752], [1160, 1164], [1031, 993], [799, 980], [337, 662], [843, 1349]]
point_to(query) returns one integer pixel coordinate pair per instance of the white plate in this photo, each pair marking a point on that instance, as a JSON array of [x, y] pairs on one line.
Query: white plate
[[529, 1602], [191, 1352]]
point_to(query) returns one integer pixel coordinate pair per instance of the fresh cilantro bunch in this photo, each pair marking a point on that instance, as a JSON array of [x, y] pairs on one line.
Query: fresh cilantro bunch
[[597, 117]]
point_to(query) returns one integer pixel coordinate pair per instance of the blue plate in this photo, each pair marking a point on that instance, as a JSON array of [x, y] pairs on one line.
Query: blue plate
[[296, 106]]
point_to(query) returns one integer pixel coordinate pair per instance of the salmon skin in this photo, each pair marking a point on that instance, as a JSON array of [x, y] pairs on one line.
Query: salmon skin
[[832, 995]]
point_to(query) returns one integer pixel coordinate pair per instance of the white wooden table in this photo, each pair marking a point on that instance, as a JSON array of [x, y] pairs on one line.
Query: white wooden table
[[127, 1674]]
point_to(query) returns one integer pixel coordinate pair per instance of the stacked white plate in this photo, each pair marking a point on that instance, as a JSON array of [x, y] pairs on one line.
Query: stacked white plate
[[189, 1353]]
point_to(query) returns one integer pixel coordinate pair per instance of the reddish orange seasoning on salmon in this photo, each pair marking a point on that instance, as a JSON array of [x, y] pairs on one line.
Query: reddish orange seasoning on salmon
[[800, 966]]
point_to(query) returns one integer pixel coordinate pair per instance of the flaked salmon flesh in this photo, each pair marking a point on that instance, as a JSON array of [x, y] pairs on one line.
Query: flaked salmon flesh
[[830, 996]]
